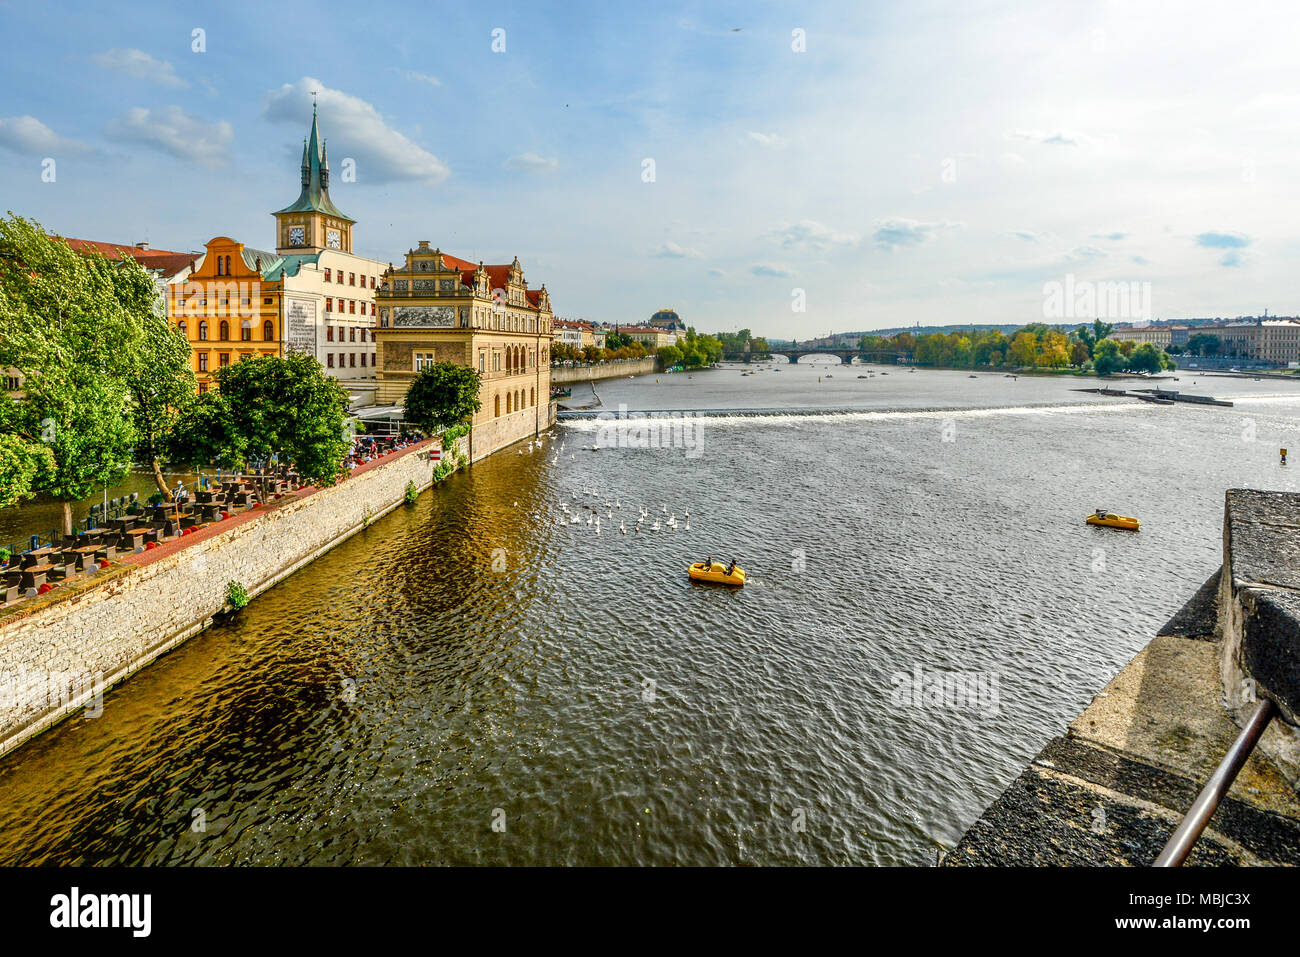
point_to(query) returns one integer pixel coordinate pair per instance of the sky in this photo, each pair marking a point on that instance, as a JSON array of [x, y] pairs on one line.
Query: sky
[[794, 169]]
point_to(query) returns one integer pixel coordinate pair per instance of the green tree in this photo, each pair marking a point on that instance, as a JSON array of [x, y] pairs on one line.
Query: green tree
[[65, 326], [160, 381], [1146, 358], [443, 395], [22, 464], [1107, 357], [268, 407]]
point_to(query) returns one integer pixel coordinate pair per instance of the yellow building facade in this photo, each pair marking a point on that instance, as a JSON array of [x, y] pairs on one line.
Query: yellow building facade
[[439, 308]]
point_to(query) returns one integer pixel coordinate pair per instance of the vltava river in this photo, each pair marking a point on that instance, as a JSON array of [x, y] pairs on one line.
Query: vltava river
[[469, 681]]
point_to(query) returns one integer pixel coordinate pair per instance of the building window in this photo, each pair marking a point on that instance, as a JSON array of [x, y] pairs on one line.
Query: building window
[[423, 360], [482, 362], [372, 282], [363, 360], [223, 360], [532, 397], [372, 308], [329, 303], [352, 306], [352, 357], [496, 405], [352, 334], [507, 403], [203, 330], [268, 330], [246, 331], [203, 362], [203, 387], [223, 331], [352, 279], [329, 360], [185, 330], [327, 273], [329, 333]]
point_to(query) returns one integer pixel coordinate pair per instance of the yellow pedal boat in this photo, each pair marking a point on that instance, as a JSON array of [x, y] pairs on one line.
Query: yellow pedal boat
[[1111, 520], [716, 573]]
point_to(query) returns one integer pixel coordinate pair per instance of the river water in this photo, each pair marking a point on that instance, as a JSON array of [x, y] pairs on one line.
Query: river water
[[471, 681]]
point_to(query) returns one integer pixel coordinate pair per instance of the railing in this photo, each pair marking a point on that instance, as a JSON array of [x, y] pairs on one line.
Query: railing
[[1207, 802]]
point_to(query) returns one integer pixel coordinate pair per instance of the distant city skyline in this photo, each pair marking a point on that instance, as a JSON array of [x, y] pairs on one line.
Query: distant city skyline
[[881, 166]]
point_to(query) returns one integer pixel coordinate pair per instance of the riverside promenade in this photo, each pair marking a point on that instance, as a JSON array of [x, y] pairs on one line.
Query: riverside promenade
[[1112, 789]]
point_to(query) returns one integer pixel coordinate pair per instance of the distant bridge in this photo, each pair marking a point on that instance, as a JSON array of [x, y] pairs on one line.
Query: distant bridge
[[846, 356]]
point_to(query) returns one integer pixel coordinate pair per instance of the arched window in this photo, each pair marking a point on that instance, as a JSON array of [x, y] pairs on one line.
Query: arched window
[[268, 330], [220, 265], [246, 330], [508, 397], [496, 406], [185, 330], [532, 396], [223, 330], [227, 265], [203, 330]]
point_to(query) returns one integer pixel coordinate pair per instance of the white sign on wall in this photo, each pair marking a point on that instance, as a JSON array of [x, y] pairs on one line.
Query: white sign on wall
[[300, 326]]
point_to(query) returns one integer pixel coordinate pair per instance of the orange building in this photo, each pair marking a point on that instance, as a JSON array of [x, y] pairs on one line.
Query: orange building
[[227, 307]]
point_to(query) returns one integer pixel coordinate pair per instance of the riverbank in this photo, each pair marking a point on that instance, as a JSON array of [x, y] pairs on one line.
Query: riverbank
[[618, 369], [58, 654]]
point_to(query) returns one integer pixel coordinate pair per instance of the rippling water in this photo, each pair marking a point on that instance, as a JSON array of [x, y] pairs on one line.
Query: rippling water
[[469, 660]]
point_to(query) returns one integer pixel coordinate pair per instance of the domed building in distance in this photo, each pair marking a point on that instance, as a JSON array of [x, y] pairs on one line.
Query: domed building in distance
[[667, 318]]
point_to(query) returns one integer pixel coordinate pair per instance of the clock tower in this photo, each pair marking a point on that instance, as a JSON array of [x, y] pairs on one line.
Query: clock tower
[[313, 222]]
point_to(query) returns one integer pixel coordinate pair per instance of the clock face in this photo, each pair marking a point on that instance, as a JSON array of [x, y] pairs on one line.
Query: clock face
[[332, 238], [297, 235]]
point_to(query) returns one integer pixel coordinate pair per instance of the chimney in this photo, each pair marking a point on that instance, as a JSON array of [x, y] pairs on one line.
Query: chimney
[[142, 245]]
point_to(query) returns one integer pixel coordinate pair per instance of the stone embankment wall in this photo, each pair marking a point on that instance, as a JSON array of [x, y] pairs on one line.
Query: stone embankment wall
[[602, 370], [495, 434], [95, 637]]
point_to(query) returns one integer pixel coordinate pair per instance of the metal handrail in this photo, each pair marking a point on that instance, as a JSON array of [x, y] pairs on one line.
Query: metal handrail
[[1207, 802]]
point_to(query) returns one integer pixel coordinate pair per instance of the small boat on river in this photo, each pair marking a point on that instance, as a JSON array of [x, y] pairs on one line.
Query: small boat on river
[[716, 573], [1103, 518]]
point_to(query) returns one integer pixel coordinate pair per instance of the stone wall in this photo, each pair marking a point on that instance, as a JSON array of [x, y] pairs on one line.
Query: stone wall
[[495, 434], [602, 370], [95, 638]]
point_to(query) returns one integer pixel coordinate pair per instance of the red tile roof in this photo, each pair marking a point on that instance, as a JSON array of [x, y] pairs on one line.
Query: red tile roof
[[166, 260]]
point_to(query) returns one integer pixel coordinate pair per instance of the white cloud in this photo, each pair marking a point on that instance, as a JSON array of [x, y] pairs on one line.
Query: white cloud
[[771, 140], [140, 66], [717, 273], [671, 250], [532, 163], [415, 77], [897, 232], [1054, 138], [814, 235], [1026, 235], [357, 130], [28, 135], [770, 269], [172, 130]]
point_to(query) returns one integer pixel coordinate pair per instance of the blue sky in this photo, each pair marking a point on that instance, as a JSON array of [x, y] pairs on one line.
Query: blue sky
[[915, 162]]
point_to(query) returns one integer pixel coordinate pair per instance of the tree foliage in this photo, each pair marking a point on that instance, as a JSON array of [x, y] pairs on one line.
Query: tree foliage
[[443, 395], [69, 323], [268, 408]]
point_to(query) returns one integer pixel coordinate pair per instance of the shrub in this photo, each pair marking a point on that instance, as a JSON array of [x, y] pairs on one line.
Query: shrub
[[411, 494], [236, 596]]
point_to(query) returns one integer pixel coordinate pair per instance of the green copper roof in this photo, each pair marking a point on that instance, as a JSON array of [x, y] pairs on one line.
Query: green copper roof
[[315, 195]]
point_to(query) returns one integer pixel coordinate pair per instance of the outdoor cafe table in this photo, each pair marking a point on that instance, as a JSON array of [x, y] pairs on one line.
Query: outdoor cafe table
[[131, 539], [87, 556], [34, 576]]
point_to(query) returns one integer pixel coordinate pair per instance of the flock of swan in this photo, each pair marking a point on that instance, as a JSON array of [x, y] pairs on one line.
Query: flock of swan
[[589, 503]]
